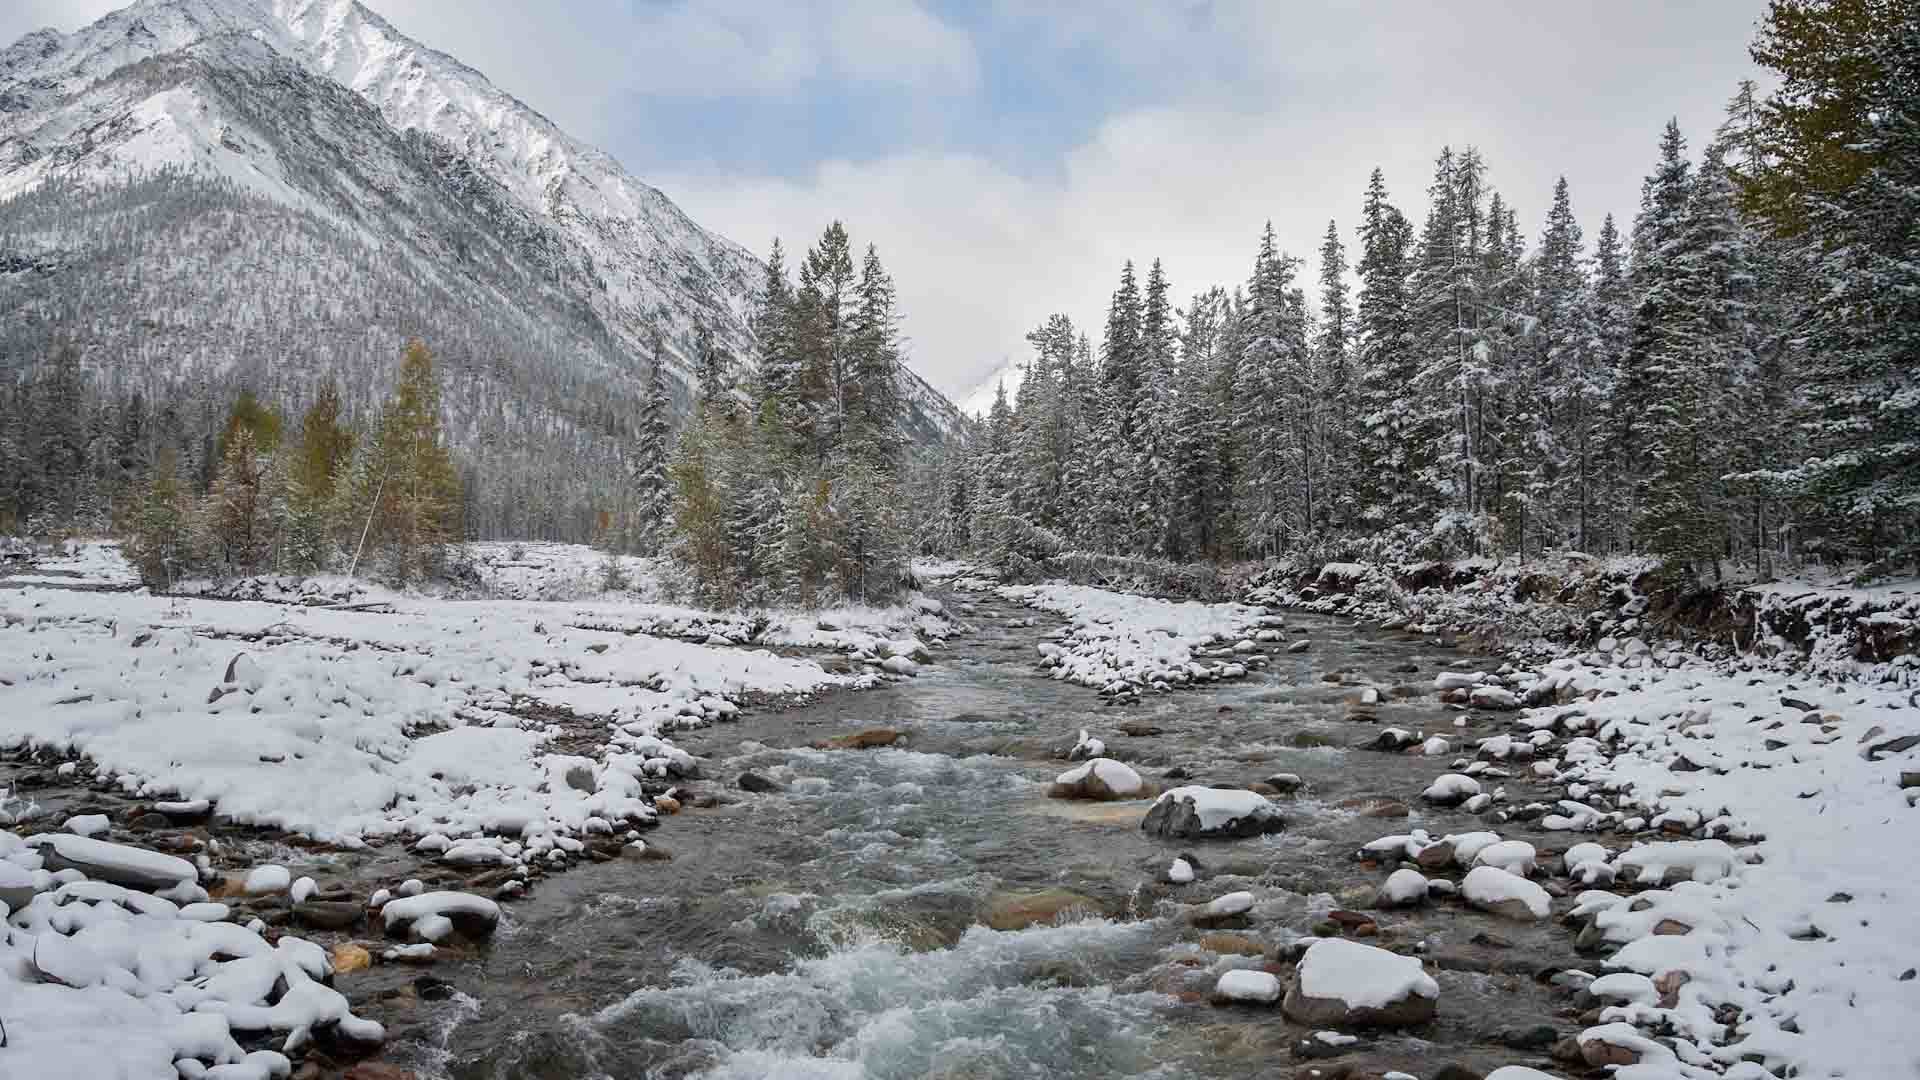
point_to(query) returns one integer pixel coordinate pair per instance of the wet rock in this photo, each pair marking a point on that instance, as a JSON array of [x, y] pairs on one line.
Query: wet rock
[[871, 739], [1392, 740], [378, 1070], [1199, 813], [1141, 729], [328, 914], [1285, 783], [1300, 646], [1101, 780], [1017, 911], [1227, 910], [1435, 856], [1226, 944], [758, 784], [1538, 1037], [1375, 806], [348, 957]]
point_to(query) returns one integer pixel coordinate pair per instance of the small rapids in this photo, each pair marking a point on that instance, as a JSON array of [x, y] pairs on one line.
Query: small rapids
[[837, 928]]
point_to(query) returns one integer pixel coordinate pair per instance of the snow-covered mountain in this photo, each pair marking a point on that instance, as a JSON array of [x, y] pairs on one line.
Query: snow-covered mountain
[[979, 401], [422, 169]]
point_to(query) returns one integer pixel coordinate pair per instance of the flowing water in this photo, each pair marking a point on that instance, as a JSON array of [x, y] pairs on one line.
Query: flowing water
[[837, 928], [834, 929]]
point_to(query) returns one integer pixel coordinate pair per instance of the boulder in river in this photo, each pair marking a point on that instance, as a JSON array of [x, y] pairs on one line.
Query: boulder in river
[[1101, 779], [759, 784], [1201, 813], [130, 867], [1017, 911], [871, 739], [1342, 983], [1509, 896], [1243, 986]]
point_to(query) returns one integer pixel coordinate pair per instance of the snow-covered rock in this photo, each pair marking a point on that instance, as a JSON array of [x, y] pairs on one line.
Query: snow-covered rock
[[1243, 986], [1101, 779], [1514, 856], [1451, 789], [1341, 983], [1403, 888], [266, 880], [1203, 813], [474, 917], [1509, 896], [135, 868]]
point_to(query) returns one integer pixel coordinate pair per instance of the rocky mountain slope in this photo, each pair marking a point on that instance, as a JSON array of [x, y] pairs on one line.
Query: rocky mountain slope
[[266, 190]]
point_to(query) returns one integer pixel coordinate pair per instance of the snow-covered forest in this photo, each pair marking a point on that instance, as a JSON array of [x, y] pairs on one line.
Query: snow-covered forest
[[1734, 373], [1728, 374]]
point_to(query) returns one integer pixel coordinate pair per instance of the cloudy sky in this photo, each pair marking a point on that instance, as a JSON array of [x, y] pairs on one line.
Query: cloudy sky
[[1008, 156]]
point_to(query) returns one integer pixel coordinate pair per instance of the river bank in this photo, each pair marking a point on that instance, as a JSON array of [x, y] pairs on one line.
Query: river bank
[[877, 883]]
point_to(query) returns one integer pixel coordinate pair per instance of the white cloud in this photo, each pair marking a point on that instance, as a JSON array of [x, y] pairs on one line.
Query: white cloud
[[982, 254]]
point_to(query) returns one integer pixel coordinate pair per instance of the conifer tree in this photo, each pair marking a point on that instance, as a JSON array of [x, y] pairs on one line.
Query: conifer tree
[[1338, 386]]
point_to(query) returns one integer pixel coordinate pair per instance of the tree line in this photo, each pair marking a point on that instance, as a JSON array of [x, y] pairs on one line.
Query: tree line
[[1736, 376]]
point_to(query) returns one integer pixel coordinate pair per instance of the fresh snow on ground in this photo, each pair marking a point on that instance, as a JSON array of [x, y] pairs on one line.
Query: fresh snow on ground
[[79, 957], [1119, 641], [429, 719]]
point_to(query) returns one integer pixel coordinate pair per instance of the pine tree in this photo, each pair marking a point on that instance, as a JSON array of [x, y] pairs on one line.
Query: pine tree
[[1570, 369], [1389, 451], [1843, 172], [713, 372], [652, 457], [1334, 349], [1652, 281]]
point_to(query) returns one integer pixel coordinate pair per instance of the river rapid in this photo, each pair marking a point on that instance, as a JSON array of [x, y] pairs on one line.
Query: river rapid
[[838, 927]]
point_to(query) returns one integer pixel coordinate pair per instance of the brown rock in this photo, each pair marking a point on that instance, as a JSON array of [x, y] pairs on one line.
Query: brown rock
[[870, 739], [1375, 806], [328, 914], [1017, 911], [666, 804], [1671, 928], [1600, 1053], [1231, 944], [378, 1070], [1435, 856], [348, 958]]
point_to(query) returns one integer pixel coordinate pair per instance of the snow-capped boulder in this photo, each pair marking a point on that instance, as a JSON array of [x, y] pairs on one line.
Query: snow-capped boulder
[[1403, 888], [474, 917], [1102, 779], [1509, 896], [1203, 813], [266, 880], [1221, 910], [1493, 697], [1514, 856], [1244, 986], [1342, 983], [132, 867], [1451, 789], [1087, 748]]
